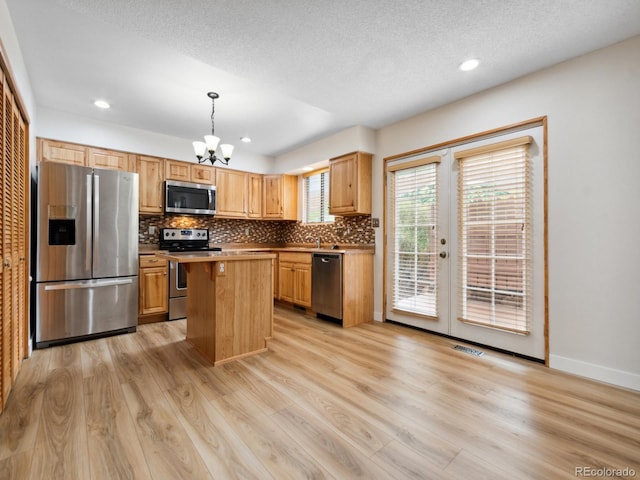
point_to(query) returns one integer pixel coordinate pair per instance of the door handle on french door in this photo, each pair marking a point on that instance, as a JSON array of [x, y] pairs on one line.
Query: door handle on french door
[[443, 254]]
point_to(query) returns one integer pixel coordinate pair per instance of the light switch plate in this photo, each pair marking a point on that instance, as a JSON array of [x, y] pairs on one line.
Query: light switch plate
[[375, 222]]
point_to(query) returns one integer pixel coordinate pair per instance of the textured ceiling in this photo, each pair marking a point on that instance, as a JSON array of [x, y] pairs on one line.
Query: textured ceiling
[[292, 71]]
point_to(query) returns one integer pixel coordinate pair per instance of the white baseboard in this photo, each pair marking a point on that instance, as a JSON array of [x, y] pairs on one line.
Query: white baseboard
[[620, 378], [377, 316]]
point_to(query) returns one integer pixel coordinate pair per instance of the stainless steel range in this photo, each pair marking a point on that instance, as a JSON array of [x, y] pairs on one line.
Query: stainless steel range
[[181, 240]]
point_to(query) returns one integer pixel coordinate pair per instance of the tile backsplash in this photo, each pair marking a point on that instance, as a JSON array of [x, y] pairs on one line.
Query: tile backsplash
[[355, 230]]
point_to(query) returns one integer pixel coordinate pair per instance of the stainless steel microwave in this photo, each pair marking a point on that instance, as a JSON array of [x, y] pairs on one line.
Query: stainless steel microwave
[[189, 198]]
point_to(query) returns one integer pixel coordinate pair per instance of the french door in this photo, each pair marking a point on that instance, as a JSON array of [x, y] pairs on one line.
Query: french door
[[465, 241]]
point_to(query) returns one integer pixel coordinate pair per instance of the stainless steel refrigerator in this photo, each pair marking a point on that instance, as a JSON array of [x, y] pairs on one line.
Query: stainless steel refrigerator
[[86, 268]]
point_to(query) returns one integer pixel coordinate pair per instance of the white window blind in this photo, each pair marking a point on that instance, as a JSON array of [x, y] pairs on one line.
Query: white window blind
[[494, 235], [414, 193], [316, 204]]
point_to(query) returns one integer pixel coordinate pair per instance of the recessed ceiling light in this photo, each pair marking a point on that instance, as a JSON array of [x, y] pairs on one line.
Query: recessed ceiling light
[[245, 139], [102, 104], [307, 169], [469, 64]]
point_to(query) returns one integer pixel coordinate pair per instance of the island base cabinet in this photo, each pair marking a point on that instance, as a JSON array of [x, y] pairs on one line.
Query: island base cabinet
[[230, 308]]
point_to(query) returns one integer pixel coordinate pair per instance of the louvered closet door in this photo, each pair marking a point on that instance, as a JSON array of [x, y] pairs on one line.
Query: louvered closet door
[[13, 240], [7, 291], [465, 241]]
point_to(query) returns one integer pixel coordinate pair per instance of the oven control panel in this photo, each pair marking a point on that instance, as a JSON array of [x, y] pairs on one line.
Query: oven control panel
[[184, 234]]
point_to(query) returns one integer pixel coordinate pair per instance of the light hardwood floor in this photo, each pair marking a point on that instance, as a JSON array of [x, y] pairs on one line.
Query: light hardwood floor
[[378, 401]]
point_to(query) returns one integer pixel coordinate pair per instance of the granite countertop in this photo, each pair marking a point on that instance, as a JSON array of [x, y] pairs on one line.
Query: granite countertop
[[150, 249]]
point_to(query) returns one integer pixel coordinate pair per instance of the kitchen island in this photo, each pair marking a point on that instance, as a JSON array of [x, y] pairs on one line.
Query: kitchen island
[[230, 302]]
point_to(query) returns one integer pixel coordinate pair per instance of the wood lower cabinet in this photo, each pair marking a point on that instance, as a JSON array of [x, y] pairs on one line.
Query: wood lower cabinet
[[14, 239], [231, 193], [151, 189], [280, 197], [294, 274], [350, 184], [153, 285]]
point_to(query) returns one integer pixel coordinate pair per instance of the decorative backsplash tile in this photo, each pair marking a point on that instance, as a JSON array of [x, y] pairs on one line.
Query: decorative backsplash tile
[[355, 230], [345, 231]]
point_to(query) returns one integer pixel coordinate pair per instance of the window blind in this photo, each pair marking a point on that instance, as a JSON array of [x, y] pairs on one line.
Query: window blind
[[316, 205], [414, 193], [494, 235]]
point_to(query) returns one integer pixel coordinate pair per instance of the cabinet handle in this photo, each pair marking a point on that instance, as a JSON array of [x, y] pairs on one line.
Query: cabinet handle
[[7, 263]]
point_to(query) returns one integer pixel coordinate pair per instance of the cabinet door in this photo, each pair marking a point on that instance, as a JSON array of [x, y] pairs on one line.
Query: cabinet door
[[154, 290], [100, 158], [272, 204], [286, 281], [71, 153], [302, 284], [255, 195], [175, 170], [231, 193], [343, 185], [203, 174], [151, 190]]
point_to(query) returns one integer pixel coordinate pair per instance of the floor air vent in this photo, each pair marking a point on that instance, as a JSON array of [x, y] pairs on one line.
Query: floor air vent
[[468, 350]]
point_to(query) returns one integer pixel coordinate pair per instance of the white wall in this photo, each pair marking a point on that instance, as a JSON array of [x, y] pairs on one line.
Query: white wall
[[73, 128], [318, 153], [593, 109], [18, 69]]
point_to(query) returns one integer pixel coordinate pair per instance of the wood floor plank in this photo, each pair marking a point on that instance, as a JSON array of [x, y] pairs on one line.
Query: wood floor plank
[[277, 451], [19, 421], [61, 445], [378, 401], [168, 451], [224, 453], [114, 450]]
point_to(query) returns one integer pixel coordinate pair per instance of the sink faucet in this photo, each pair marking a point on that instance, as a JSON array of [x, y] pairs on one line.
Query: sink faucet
[[318, 243]]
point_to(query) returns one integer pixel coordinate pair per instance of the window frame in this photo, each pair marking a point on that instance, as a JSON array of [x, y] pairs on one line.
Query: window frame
[[325, 217]]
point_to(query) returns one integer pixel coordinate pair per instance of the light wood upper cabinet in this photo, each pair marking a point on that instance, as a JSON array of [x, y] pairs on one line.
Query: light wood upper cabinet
[[74, 154], [231, 193], [350, 184], [111, 159], [174, 170], [189, 172], [255, 195], [203, 174], [151, 190], [280, 197], [51, 150], [153, 286]]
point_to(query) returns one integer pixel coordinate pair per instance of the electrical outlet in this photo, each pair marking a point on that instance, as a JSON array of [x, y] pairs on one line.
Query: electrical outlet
[[375, 222], [151, 230], [221, 269], [246, 231]]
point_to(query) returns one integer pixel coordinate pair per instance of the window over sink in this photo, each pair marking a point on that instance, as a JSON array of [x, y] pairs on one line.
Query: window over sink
[[316, 197]]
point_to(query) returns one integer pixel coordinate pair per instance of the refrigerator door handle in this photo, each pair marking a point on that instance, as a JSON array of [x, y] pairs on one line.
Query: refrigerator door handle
[[95, 284], [87, 254], [96, 218]]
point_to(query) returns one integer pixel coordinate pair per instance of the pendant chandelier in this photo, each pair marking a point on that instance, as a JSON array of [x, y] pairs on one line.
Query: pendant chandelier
[[210, 143]]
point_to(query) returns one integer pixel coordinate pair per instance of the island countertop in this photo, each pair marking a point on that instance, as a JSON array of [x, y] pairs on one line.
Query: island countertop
[[208, 256]]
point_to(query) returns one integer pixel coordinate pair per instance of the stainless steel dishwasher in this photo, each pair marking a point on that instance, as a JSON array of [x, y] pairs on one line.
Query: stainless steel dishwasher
[[326, 284]]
